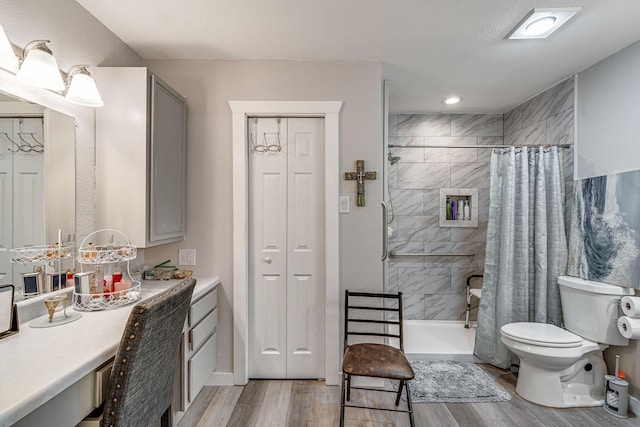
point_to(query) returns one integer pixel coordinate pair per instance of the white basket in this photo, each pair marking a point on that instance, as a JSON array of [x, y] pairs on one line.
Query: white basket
[[111, 253], [106, 254], [107, 301], [34, 254]]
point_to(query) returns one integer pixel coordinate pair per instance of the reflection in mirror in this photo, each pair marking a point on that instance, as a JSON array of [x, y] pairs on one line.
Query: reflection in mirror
[[6, 308], [37, 188]]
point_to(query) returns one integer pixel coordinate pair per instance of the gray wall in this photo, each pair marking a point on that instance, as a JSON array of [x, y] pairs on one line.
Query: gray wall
[[608, 131], [609, 115], [76, 38], [208, 86], [434, 288]]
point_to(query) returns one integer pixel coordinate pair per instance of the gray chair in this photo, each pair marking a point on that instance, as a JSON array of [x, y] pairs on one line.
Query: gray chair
[[141, 384]]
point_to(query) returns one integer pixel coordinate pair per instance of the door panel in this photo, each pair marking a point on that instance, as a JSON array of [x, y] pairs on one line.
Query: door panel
[[268, 225], [6, 198], [305, 291], [286, 331]]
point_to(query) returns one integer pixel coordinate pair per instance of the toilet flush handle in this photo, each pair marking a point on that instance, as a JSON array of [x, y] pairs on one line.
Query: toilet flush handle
[[267, 260]]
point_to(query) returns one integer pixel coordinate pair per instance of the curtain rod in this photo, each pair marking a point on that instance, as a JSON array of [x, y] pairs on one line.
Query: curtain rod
[[480, 146]]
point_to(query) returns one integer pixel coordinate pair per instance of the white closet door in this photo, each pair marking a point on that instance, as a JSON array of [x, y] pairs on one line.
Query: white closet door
[[268, 234], [305, 281], [28, 187], [6, 196], [286, 330]]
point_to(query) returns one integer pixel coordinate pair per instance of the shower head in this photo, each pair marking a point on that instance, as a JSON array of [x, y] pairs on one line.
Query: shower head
[[393, 159]]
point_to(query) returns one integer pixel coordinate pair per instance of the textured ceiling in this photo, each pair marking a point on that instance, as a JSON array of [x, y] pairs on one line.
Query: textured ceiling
[[428, 48]]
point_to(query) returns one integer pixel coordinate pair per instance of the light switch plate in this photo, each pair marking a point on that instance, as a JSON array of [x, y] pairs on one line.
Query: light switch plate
[[187, 257], [344, 204]]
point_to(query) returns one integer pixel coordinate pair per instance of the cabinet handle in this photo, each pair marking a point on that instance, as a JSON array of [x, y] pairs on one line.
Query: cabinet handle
[[190, 340], [267, 260]]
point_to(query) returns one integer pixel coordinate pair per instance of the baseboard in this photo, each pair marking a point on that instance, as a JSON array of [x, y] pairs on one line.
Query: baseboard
[[634, 405], [220, 378]]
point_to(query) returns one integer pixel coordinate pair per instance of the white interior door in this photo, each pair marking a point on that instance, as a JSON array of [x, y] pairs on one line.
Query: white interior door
[[21, 190], [28, 186], [6, 199], [286, 332]]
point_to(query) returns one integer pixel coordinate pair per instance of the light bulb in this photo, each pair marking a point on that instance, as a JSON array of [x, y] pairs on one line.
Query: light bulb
[[540, 26]]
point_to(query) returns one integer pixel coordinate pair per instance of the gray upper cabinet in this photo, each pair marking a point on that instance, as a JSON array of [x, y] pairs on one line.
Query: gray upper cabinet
[[140, 156]]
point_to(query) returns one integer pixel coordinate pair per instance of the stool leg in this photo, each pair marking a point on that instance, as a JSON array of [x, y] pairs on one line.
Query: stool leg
[[167, 418], [348, 388], [409, 406], [399, 393], [466, 319], [342, 397]]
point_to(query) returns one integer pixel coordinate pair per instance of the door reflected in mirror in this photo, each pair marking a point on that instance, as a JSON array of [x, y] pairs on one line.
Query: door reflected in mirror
[[37, 186], [6, 308]]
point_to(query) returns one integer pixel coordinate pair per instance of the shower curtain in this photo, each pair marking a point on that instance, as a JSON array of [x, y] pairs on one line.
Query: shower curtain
[[526, 246]]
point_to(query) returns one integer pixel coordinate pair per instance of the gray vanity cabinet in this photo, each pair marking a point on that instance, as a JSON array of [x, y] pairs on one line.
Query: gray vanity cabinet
[[140, 156]]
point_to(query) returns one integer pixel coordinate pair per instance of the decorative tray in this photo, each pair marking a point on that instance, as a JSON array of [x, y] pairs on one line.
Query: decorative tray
[[34, 254], [107, 301]]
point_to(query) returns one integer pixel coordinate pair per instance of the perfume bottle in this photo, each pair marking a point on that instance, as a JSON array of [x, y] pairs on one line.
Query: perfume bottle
[[97, 287]]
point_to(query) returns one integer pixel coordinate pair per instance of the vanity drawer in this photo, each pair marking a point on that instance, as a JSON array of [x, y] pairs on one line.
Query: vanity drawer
[[201, 365], [204, 305], [202, 330]]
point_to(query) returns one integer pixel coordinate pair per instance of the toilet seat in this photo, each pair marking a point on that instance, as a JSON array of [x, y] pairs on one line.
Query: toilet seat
[[541, 334]]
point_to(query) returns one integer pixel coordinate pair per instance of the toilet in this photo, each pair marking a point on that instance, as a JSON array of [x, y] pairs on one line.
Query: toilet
[[564, 368]]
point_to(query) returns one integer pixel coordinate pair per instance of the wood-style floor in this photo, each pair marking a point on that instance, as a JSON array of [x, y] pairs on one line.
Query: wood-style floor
[[299, 403]]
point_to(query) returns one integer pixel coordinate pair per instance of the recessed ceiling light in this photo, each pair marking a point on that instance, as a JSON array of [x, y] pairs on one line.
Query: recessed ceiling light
[[451, 100], [540, 26], [540, 23]]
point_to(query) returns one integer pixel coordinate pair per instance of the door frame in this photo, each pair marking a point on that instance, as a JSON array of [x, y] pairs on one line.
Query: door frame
[[329, 110]]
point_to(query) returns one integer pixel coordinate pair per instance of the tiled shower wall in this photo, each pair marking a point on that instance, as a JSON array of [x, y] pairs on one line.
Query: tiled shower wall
[[434, 287]]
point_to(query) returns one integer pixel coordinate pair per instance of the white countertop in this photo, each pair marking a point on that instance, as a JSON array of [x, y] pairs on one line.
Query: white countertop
[[38, 363]]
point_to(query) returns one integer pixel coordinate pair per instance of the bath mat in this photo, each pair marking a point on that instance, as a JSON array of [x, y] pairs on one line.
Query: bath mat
[[453, 381]]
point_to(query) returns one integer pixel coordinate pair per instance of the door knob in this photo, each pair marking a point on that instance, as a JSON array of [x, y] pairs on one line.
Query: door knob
[[267, 260]]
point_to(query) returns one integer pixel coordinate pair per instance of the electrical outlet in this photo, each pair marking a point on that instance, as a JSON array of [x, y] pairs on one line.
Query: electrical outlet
[[187, 257]]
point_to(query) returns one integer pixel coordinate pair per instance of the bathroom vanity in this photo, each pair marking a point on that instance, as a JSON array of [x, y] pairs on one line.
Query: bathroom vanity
[[50, 376]]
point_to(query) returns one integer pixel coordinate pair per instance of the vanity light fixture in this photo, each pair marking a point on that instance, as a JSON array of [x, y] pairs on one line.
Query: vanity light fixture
[[40, 67], [451, 100], [8, 59], [82, 89], [540, 23]]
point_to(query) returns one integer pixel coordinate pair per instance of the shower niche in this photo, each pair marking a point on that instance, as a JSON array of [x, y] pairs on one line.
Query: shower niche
[[458, 207]]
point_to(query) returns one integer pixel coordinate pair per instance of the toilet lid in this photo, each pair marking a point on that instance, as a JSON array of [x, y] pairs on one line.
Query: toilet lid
[[541, 334]]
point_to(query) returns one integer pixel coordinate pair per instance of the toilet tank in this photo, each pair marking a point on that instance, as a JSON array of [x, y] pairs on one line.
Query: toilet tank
[[591, 309]]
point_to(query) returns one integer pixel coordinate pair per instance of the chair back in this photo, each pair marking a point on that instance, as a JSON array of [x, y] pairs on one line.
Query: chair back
[[373, 315], [141, 384]]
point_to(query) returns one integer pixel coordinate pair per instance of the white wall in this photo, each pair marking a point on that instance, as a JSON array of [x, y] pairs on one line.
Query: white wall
[[608, 132], [76, 38], [208, 86]]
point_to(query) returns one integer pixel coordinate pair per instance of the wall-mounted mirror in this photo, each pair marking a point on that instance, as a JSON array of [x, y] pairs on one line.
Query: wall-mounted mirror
[[37, 187]]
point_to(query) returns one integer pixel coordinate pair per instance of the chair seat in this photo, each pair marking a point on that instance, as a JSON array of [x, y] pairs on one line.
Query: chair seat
[[376, 360]]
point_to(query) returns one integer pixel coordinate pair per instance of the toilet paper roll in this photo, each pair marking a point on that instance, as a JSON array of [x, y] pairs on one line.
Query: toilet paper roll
[[630, 306], [629, 327]]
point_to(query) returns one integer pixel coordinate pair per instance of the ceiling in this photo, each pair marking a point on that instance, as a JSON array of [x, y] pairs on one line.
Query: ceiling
[[428, 49]]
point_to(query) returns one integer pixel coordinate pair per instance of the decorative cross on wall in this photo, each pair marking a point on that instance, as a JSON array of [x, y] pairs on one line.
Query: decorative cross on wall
[[359, 176]]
